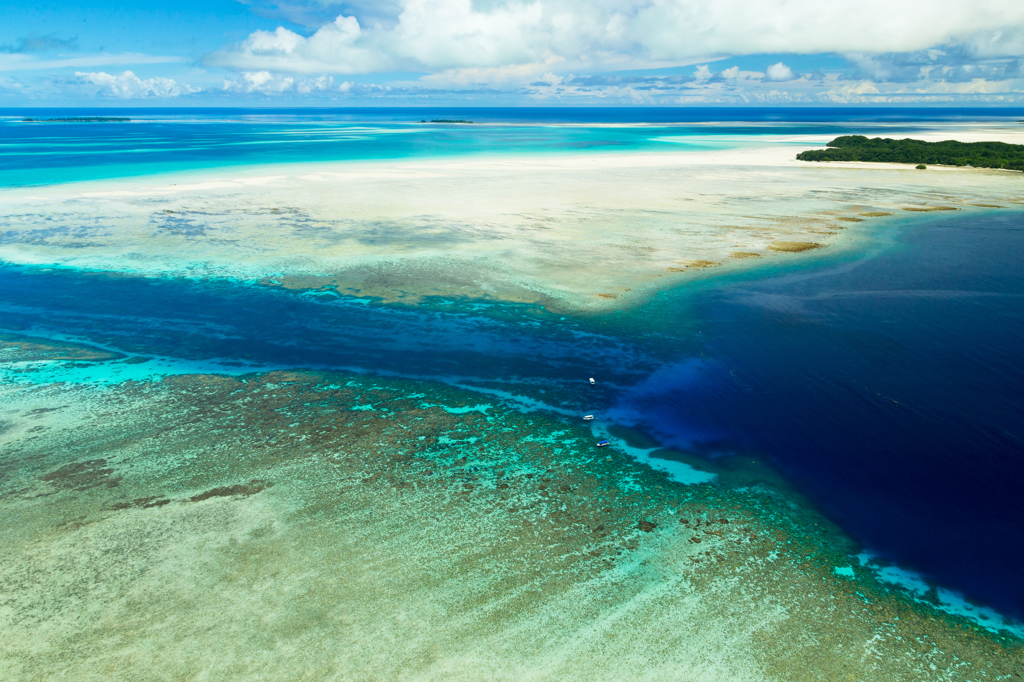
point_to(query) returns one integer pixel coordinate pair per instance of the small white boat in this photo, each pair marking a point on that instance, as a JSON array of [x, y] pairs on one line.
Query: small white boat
[[602, 443], [592, 382], [588, 417]]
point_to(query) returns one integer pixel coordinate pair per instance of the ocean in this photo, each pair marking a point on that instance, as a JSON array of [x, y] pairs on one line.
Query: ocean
[[881, 383], [169, 140]]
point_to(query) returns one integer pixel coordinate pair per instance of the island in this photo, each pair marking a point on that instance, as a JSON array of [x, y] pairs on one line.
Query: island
[[947, 152], [449, 120], [78, 119]]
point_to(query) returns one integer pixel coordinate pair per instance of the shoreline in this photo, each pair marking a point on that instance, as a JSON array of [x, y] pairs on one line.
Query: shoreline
[[536, 229], [427, 502]]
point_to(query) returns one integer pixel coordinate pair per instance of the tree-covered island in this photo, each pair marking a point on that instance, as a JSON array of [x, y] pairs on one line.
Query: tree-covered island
[[946, 153]]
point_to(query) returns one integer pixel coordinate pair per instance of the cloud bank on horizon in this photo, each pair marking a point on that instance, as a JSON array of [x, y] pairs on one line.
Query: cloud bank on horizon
[[542, 51]]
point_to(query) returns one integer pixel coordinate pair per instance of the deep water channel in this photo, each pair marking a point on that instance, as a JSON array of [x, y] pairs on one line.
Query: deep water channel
[[889, 389], [886, 387]]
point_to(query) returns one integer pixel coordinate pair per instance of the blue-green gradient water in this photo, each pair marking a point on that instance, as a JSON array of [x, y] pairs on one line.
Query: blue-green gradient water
[[886, 384], [168, 140]]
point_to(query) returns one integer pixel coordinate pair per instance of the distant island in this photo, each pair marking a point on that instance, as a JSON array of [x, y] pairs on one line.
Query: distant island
[[947, 153], [447, 120], [78, 119]]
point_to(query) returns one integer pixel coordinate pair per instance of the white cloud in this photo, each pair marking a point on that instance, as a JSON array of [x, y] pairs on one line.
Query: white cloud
[[331, 49], [779, 72], [438, 36], [702, 73], [24, 62], [493, 76], [260, 81], [851, 93], [978, 90], [999, 42], [129, 86], [267, 83], [310, 85]]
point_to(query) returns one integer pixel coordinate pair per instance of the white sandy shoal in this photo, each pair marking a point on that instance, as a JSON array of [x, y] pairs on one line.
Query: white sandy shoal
[[583, 229]]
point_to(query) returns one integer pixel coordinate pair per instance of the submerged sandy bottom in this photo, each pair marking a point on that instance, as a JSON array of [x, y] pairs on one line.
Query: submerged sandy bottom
[[324, 526], [577, 232]]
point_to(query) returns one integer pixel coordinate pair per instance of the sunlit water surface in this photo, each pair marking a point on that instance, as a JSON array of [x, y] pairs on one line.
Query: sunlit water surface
[[884, 384]]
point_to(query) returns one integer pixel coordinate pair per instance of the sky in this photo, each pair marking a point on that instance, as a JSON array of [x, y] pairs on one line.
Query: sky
[[512, 52]]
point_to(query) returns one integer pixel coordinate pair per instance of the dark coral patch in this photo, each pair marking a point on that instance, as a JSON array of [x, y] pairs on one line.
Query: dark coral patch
[[91, 473], [239, 490], [141, 503]]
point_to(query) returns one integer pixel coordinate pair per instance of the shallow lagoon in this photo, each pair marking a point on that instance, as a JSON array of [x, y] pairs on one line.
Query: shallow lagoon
[[816, 373], [883, 387], [166, 140]]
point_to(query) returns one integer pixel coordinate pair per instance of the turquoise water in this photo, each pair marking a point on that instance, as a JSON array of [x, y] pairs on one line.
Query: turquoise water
[[883, 384], [713, 371], [168, 140]]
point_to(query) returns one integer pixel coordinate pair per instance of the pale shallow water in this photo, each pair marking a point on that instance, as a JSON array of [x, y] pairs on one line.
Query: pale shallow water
[[682, 369], [497, 283], [167, 140], [355, 527]]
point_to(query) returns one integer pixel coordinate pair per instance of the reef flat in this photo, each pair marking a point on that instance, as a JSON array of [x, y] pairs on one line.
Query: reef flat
[[178, 500], [578, 233], [333, 526]]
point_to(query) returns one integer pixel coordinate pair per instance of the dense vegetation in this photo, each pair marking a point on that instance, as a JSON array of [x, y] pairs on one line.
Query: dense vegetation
[[947, 153]]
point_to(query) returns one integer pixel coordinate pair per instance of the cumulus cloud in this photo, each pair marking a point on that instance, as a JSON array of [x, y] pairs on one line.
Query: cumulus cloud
[[779, 72], [333, 49], [498, 76], [259, 81], [310, 85], [267, 83], [851, 93], [953, 65], [702, 73], [129, 86], [434, 36], [431, 35]]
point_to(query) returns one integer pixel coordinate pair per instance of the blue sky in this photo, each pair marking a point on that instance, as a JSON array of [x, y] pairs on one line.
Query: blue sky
[[508, 52]]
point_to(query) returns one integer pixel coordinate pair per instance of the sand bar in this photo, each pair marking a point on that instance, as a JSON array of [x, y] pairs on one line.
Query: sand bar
[[577, 232]]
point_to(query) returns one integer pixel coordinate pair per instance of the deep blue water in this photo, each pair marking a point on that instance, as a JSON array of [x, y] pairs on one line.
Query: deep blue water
[[889, 389], [887, 386], [167, 140], [518, 349]]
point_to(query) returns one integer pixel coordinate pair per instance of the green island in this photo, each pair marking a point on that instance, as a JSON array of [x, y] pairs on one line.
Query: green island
[[449, 120], [947, 152], [78, 119]]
